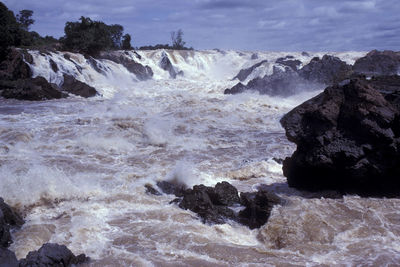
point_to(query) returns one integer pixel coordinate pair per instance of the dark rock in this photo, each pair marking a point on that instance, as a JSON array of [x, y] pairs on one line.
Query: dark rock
[[214, 204], [52, 255], [258, 208], [278, 160], [73, 86], [289, 62], [237, 89], [305, 54], [8, 219], [378, 63], [53, 65], [254, 56], [15, 67], [37, 88], [347, 138], [142, 72], [78, 68], [328, 70], [151, 190], [244, 73], [7, 258], [171, 188], [166, 65], [95, 65], [138, 56], [200, 200]]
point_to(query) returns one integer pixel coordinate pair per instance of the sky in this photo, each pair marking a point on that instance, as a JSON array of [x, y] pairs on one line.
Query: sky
[[248, 25]]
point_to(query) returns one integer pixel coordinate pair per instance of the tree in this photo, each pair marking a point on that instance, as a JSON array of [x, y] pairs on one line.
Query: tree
[[177, 39], [116, 32], [25, 19], [10, 32], [126, 42]]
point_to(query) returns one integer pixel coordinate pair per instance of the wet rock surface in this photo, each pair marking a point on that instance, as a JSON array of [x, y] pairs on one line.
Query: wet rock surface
[[52, 255], [347, 138], [166, 65], [73, 86], [243, 74], [8, 219], [378, 63], [142, 72], [217, 204], [8, 258]]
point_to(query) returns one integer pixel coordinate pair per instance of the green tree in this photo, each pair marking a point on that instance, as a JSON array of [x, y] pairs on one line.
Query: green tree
[[177, 39], [10, 32], [25, 19], [116, 32], [126, 42]]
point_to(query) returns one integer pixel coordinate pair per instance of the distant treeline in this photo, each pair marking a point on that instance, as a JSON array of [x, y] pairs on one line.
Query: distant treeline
[[84, 36]]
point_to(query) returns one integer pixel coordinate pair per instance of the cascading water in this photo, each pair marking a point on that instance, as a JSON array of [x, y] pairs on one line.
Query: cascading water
[[76, 168]]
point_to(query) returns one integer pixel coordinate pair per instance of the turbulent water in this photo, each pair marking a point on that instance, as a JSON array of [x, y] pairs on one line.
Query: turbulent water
[[76, 169]]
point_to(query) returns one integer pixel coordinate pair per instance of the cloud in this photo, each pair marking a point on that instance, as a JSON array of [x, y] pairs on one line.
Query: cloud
[[235, 24]]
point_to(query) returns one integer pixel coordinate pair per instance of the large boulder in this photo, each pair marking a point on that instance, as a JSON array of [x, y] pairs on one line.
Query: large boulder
[[219, 204], [16, 66], [289, 61], [37, 88], [73, 86], [378, 63], [348, 139], [52, 255], [8, 219], [327, 70]]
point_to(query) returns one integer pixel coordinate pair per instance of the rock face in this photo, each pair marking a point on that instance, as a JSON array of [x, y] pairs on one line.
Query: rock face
[[30, 89], [15, 67], [142, 72], [52, 255], [243, 74], [73, 86], [217, 204], [166, 65], [378, 63], [287, 79], [328, 70], [348, 139]]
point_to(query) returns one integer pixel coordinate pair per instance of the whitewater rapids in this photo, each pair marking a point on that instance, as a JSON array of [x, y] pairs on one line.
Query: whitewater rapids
[[76, 168]]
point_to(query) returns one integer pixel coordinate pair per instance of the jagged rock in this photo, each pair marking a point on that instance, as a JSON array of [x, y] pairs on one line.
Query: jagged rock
[[244, 73], [53, 65], [166, 65], [15, 67], [348, 139], [258, 208], [52, 255], [305, 54], [378, 63], [151, 190], [215, 204], [142, 72], [7, 258], [237, 89], [254, 56], [328, 70], [8, 218], [37, 88], [73, 86], [289, 62]]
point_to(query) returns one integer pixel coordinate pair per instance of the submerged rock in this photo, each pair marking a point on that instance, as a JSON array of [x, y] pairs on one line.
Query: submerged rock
[[52, 255], [217, 204], [348, 139], [378, 63]]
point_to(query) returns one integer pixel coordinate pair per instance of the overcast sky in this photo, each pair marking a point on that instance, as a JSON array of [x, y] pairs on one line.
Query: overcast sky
[[277, 25]]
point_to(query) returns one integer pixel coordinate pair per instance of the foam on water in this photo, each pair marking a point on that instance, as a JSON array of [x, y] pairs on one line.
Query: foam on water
[[77, 168]]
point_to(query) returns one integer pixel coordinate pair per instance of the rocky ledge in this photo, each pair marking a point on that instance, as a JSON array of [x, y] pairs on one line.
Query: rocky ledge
[[48, 255], [16, 81], [219, 204], [348, 139]]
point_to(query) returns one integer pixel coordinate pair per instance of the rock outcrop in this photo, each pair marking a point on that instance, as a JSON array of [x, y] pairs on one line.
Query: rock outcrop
[[378, 63], [166, 65], [287, 79], [8, 219], [348, 139], [141, 72], [219, 204], [244, 73], [73, 86], [52, 255]]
